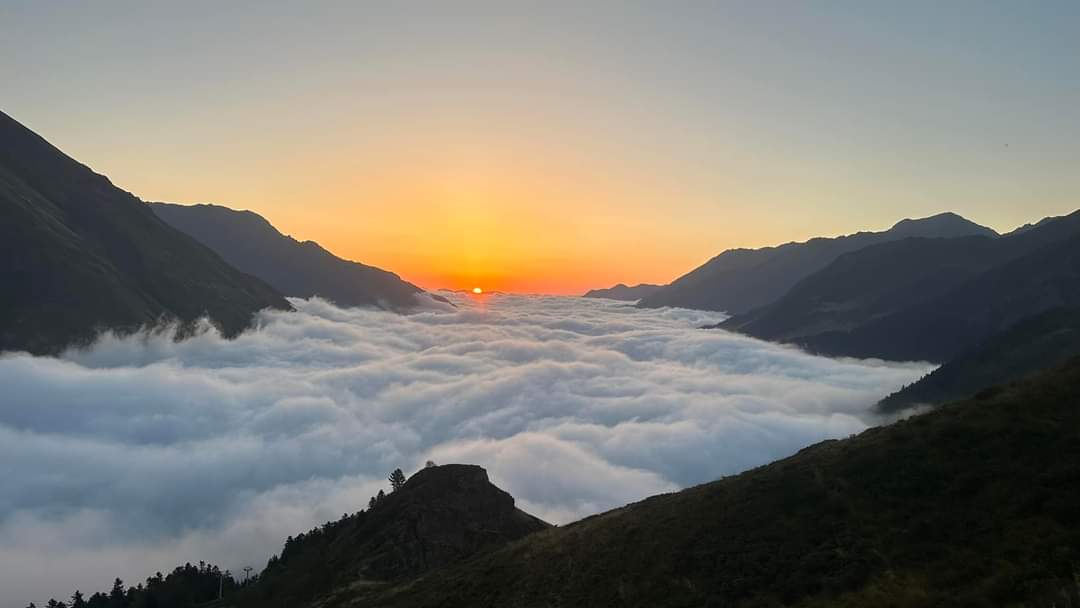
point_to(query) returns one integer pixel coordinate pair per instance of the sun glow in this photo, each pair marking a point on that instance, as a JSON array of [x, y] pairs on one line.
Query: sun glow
[[477, 290]]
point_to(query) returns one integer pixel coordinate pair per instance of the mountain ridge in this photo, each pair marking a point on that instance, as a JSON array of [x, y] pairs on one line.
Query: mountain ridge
[[296, 268], [624, 292], [941, 507], [79, 255], [740, 280]]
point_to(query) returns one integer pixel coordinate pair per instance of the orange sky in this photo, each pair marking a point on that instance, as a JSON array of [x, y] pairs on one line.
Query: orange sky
[[558, 147]]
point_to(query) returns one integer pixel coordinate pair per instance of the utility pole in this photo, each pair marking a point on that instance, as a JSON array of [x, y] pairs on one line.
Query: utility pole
[[247, 573]]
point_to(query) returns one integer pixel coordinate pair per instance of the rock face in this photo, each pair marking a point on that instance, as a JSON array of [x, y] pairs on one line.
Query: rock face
[[441, 515]]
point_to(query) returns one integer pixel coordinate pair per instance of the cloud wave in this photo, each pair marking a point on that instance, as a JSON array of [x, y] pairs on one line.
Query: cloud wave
[[142, 452]]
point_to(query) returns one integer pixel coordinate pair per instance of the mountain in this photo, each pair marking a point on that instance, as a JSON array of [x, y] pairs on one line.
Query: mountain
[[1035, 343], [924, 299], [440, 516], [974, 504], [740, 280], [78, 254], [295, 268], [623, 292], [945, 326]]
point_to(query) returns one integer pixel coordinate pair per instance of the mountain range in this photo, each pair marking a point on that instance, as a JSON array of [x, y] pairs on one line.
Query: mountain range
[[624, 292], [740, 280], [925, 299], [78, 255], [295, 268]]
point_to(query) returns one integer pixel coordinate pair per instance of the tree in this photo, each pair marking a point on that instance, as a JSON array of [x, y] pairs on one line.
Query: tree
[[371, 503], [381, 495], [429, 464], [77, 600], [397, 479], [117, 597]]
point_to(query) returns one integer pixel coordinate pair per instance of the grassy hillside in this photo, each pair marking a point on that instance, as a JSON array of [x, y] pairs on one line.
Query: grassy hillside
[[974, 504], [440, 516], [1036, 343]]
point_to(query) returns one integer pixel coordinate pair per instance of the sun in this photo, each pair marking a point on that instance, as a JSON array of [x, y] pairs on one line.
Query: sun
[[477, 290]]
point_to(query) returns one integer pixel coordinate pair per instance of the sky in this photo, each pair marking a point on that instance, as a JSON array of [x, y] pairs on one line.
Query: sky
[[556, 147], [142, 453]]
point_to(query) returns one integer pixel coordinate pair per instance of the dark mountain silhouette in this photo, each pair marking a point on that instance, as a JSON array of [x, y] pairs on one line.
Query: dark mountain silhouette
[[440, 516], [1035, 343], [78, 254], [945, 326], [295, 268], [624, 292], [974, 504], [925, 299], [740, 280]]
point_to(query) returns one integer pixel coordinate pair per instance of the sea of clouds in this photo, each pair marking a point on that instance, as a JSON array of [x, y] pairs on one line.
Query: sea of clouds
[[142, 453]]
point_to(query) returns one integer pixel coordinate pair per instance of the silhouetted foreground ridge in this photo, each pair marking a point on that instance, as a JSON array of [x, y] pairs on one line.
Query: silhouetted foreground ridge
[[974, 504]]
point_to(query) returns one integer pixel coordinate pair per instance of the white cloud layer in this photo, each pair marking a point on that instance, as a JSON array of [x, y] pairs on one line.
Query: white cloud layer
[[142, 453]]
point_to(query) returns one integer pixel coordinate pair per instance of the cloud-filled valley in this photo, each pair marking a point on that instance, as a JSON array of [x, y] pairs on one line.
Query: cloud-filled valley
[[146, 452]]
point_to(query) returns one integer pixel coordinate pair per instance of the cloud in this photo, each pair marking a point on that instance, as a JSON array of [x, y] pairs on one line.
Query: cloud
[[141, 452]]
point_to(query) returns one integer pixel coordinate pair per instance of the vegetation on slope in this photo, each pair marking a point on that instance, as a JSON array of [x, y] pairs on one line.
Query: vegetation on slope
[[440, 516], [1036, 343], [974, 504]]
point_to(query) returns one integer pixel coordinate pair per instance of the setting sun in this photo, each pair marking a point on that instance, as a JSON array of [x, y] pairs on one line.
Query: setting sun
[[477, 290]]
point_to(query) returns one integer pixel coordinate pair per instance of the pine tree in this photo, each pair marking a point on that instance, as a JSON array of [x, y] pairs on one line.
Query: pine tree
[[77, 600], [117, 597], [397, 479]]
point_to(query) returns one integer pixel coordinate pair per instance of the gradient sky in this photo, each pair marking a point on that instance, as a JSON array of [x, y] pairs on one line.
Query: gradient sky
[[557, 147]]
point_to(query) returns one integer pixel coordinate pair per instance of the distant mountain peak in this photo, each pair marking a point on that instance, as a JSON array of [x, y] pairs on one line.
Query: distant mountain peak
[[947, 224], [622, 291]]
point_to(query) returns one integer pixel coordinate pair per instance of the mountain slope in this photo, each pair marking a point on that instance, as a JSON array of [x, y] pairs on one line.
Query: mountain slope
[[624, 292], [302, 269], [740, 280], [441, 515], [947, 325], [974, 504], [78, 254], [1035, 343], [922, 298]]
